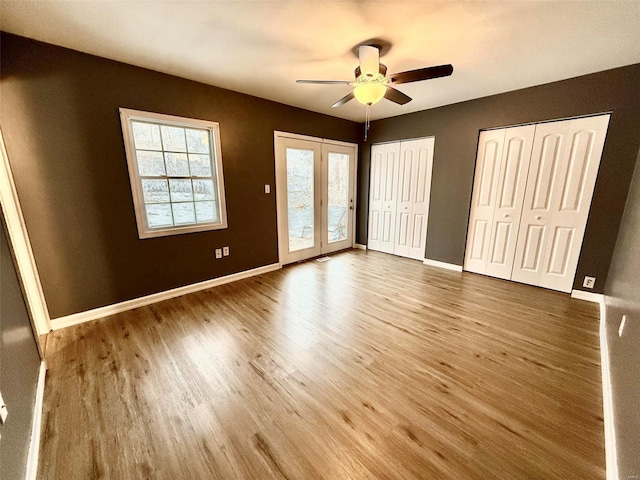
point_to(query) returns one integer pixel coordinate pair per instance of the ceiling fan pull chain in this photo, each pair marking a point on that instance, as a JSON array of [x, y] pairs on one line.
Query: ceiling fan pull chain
[[367, 121]]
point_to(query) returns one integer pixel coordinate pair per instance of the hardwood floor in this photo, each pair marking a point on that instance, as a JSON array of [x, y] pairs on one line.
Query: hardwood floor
[[367, 366]]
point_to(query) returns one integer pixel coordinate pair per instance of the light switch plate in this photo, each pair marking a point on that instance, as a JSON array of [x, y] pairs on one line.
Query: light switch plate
[[3, 410], [218, 253], [267, 188], [225, 251]]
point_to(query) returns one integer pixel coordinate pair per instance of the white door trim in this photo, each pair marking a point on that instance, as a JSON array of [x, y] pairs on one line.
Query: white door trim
[[297, 136], [21, 246], [36, 426]]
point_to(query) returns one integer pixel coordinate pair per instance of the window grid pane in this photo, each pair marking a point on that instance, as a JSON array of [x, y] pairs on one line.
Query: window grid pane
[[176, 174]]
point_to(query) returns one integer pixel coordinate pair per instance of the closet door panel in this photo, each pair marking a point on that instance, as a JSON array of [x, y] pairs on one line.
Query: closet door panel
[[512, 181], [546, 160], [576, 178], [414, 184], [406, 196], [382, 197], [483, 203], [422, 188], [533, 240], [376, 196]]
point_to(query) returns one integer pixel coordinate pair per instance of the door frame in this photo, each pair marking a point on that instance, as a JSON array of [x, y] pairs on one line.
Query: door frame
[[278, 137], [21, 247]]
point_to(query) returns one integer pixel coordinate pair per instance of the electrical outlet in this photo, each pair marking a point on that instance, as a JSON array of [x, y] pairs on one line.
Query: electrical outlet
[[267, 188], [589, 282], [218, 253], [225, 251], [3, 411]]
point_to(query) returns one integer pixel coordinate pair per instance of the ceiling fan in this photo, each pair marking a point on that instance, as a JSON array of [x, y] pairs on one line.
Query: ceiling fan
[[372, 83]]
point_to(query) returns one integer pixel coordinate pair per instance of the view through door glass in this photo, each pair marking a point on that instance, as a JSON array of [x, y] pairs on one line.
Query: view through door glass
[[300, 198], [338, 196]]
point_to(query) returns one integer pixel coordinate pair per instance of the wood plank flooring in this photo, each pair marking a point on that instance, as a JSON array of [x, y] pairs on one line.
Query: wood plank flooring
[[367, 366]]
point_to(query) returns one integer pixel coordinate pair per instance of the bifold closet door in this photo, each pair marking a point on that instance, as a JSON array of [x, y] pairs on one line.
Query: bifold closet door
[[499, 188], [383, 196], [562, 176], [399, 195], [412, 206]]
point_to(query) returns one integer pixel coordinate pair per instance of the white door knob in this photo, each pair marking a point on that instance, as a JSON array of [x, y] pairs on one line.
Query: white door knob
[[538, 217]]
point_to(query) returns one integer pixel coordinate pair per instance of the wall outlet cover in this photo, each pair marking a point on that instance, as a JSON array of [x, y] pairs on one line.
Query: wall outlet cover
[[218, 253], [3, 411], [589, 282], [225, 251]]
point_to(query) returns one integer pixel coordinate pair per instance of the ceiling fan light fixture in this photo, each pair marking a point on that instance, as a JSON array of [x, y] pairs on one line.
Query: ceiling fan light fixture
[[369, 93]]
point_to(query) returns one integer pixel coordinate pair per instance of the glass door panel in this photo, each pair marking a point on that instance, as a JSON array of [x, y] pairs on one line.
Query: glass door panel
[[300, 198], [338, 183]]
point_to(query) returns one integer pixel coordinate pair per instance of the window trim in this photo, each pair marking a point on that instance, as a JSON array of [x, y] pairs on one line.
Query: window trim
[[144, 231]]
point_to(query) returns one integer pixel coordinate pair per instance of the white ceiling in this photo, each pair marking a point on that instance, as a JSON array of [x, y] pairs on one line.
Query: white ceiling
[[261, 47]]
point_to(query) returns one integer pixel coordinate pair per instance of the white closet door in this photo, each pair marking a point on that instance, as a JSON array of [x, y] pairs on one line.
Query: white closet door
[[564, 166], [483, 202], [512, 181], [414, 181], [572, 202], [382, 196]]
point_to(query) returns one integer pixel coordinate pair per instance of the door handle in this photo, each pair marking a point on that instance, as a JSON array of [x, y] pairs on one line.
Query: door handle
[[351, 208], [538, 217], [506, 215]]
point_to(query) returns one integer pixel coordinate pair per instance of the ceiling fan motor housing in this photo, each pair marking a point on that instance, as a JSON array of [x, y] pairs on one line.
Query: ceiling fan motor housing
[[382, 70]]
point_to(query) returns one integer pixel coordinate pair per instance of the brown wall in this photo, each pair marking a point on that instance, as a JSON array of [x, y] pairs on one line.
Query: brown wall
[[60, 121], [622, 297], [456, 128]]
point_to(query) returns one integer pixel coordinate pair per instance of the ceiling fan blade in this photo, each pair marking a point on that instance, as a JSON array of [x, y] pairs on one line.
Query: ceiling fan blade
[[422, 74], [396, 96], [326, 82], [343, 100], [369, 57]]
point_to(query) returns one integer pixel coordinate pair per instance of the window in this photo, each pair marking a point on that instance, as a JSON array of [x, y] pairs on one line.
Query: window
[[175, 168]]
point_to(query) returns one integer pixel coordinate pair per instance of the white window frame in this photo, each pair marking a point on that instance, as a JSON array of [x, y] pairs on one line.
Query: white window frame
[[144, 230]]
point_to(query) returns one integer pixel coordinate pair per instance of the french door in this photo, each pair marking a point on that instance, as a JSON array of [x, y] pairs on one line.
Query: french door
[[315, 184]]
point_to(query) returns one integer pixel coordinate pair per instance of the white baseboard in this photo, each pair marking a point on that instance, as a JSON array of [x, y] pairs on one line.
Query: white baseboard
[[36, 427], [611, 452], [588, 296], [81, 317], [447, 266], [359, 246]]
